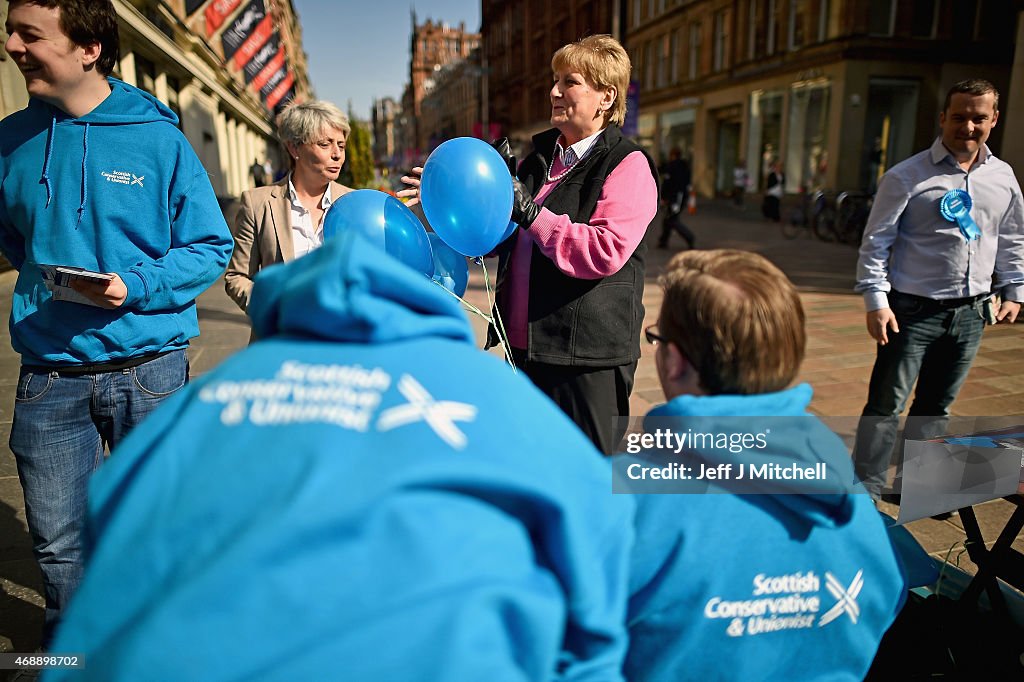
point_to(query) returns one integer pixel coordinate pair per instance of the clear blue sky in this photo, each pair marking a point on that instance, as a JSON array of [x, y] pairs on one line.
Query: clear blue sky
[[359, 49]]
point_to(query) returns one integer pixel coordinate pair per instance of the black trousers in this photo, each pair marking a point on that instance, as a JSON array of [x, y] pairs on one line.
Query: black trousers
[[672, 222], [595, 398]]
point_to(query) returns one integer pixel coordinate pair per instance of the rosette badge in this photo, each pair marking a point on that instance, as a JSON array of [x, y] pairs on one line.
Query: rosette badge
[[956, 208]]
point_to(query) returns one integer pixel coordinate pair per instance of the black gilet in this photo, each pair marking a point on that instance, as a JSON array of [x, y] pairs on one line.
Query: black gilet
[[582, 322]]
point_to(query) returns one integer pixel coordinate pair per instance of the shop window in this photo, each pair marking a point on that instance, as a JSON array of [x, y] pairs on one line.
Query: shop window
[[807, 160], [675, 129], [764, 135]]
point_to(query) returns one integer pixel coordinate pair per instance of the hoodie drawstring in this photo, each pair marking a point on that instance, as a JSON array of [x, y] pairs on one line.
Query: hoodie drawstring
[[46, 165], [85, 177]]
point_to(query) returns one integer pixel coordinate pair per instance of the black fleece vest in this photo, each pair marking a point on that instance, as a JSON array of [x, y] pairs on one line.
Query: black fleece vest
[[582, 322]]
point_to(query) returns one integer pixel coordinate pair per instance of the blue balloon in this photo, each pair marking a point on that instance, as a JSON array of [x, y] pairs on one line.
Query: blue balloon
[[450, 267], [509, 230], [386, 222], [466, 192]]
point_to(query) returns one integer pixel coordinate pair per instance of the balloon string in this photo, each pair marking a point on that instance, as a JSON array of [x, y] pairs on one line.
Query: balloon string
[[469, 306], [499, 326]]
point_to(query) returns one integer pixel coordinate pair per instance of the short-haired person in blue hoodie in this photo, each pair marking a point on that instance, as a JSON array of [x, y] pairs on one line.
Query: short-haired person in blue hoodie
[[749, 571], [94, 174], [361, 495]]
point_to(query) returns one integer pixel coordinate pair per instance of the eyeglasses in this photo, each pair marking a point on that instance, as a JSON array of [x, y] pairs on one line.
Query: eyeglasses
[[652, 335]]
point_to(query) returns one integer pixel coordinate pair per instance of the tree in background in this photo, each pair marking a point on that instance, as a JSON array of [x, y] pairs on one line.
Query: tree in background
[[358, 170]]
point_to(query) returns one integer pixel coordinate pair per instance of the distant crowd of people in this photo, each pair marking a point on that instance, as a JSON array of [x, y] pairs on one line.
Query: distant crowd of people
[[362, 493]]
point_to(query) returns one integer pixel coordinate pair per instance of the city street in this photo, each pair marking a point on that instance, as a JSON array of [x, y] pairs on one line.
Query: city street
[[838, 364]]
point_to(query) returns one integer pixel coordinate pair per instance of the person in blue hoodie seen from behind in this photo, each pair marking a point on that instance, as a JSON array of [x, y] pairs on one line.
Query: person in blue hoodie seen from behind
[[94, 174], [769, 562], [360, 495]]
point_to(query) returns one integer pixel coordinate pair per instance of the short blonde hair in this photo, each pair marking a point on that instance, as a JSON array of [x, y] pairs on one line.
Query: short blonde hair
[[736, 317], [604, 63], [302, 123]]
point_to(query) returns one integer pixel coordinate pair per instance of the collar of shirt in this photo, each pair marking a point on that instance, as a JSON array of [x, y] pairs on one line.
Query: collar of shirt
[[939, 152], [325, 201], [574, 152]]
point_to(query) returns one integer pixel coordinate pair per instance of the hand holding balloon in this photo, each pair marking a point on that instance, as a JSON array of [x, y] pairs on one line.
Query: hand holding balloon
[[467, 195], [413, 192], [524, 211]]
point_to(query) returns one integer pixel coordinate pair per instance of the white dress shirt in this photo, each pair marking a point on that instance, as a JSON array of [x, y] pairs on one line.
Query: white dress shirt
[[305, 235]]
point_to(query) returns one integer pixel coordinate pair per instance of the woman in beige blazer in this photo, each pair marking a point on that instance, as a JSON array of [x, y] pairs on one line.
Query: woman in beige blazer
[[282, 221]]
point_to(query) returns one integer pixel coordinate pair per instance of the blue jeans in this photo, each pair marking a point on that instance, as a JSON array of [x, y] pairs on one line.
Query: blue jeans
[[62, 422], [935, 347]]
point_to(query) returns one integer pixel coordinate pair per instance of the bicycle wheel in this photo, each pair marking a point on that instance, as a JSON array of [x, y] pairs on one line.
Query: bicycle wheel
[[824, 225]]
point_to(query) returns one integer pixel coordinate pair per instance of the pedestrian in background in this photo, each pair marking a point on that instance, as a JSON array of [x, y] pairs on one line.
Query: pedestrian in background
[[96, 175], [739, 182], [675, 189], [285, 220], [729, 342], [258, 173], [946, 231], [774, 187]]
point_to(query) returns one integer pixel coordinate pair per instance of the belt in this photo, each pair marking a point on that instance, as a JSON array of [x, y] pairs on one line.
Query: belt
[[97, 367], [944, 302]]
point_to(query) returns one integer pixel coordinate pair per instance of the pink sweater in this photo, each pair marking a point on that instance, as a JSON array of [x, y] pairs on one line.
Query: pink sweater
[[628, 203]]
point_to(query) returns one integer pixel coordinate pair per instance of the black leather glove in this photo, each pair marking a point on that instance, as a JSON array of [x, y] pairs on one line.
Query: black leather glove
[[524, 211], [505, 150]]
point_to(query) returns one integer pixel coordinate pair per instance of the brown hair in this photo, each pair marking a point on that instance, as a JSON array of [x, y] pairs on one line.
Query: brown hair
[[736, 317], [85, 22], [604, 63], [976, 87]]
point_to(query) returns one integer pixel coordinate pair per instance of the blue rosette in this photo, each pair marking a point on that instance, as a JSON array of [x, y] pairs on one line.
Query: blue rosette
[[956, 207]]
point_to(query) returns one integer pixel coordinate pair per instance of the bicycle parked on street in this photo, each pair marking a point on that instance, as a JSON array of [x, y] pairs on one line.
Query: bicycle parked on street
[[840, 219], [815, 214]]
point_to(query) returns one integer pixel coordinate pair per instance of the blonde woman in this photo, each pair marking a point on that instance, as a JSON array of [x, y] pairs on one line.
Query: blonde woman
[[284, 221], [573, 278]]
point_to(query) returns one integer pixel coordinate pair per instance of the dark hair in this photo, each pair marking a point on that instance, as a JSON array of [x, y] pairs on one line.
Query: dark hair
[[736, 317], [975, 87], [85, 22]]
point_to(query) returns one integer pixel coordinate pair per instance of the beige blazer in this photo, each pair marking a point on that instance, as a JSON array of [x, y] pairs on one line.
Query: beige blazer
[[263, 236]]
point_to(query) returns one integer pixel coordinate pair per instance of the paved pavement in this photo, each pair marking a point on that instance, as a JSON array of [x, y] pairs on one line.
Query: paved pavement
[[838, 364]]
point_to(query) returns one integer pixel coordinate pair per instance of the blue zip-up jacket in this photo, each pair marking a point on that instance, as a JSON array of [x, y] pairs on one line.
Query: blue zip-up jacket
[[361, 495], [798, 584], [118, 190]]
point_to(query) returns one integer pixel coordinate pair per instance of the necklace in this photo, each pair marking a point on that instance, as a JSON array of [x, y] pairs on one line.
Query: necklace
[[563, 173]]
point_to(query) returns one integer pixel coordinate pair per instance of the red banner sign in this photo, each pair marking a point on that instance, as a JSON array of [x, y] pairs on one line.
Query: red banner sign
[[217, 12], [268, 71], [254, 42], [280, 91]]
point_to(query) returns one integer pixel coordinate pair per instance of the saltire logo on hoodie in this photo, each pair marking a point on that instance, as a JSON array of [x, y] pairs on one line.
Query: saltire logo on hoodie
[[788, 602], [346, 396]]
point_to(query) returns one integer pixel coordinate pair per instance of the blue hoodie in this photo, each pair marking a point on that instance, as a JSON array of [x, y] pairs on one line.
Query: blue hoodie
[[799, 584], [117, 190], [362, 495]]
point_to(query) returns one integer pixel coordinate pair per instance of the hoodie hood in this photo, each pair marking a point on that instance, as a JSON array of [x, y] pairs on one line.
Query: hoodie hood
[[124, 106], [350, 291], [783, 435]]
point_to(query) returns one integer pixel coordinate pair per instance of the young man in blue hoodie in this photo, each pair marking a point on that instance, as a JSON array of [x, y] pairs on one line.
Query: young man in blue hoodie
[[94, 174], [760, 558], [361, 495]]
